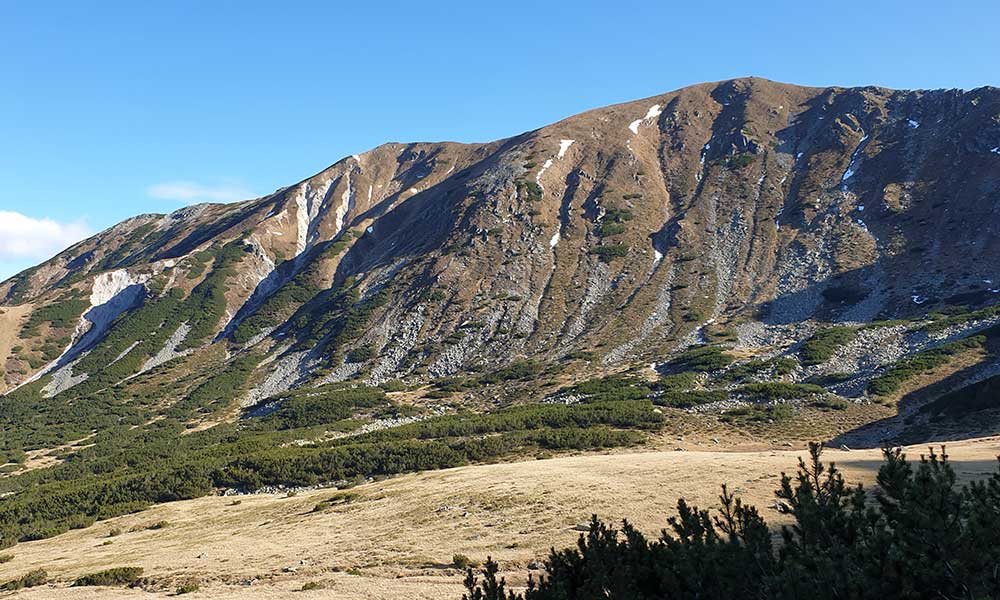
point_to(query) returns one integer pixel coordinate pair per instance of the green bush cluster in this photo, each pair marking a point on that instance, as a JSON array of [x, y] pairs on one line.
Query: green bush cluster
[[824, 344], [758, 414], [779, 390], [30, 579], [110, 577], [677, 382], [297, 410], [61, 313], [206, 304], [530, 190], [687, 399], [945, 322], [611, 229], [610, 252], [613, 387], [701, 359], [782, 365], [892, 380]]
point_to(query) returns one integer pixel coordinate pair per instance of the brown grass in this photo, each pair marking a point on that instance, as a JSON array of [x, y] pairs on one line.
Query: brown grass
[[396, 538], [11, 319]]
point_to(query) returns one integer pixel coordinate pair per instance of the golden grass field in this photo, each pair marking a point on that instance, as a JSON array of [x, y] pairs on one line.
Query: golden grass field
[[395, 539]]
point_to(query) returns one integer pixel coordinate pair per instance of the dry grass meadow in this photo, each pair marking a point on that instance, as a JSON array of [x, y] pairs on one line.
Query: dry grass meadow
[[395, 539]]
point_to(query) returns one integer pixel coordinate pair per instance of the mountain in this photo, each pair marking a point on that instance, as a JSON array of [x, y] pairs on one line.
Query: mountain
[[744, 214]]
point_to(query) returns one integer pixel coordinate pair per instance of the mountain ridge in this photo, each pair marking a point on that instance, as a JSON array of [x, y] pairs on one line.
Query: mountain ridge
[[744, 206]]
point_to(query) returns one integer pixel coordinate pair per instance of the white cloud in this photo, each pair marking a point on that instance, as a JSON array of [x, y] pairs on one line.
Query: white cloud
[[190, 192], [25, 237]]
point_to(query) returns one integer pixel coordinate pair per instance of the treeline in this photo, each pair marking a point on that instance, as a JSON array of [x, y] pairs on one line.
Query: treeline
[[919, 537]]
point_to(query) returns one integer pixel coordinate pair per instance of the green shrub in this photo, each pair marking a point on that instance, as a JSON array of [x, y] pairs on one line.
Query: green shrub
[[701, 359], [779, 390], [758, 414], [613, 387], [779, 366], [530, 190], [831, 403], [6, 558], [111, 577], [944, 322], [740, 161], [676, 382], [61, 313], [187, 588], [617, 214], [610, 229], [30, 579], [360, 354], [824, 344], [679, 399], [610, 252], [463, 562], [892, 380]]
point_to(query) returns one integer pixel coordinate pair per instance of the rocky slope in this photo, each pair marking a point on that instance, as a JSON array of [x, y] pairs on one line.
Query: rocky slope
[[745, 210]]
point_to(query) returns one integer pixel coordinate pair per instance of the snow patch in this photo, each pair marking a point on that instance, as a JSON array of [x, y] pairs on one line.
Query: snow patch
[[545, 167], [996, 150], [917, 299], [554, 241], [913, 124], [653, 112], [854, 160], [563, 147]]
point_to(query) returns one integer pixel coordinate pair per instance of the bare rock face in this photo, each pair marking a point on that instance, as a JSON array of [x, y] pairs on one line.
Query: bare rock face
[[625, 231]]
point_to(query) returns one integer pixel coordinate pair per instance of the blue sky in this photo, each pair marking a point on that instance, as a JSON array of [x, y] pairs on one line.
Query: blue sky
[[110, 109]]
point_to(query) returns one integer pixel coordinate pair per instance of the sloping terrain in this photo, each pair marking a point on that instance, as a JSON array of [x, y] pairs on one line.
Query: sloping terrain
[[731, 264], [396, 538], [623, 232]]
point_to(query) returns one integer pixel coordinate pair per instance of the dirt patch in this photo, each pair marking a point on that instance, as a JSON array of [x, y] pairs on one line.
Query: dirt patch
[[11, 320]]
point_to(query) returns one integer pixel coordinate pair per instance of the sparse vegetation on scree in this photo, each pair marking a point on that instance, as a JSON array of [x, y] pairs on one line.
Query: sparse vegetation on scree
[[918, 537]]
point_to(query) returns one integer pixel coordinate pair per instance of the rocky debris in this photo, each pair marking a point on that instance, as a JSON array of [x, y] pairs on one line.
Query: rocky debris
[[377, 425], [169, 350]]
